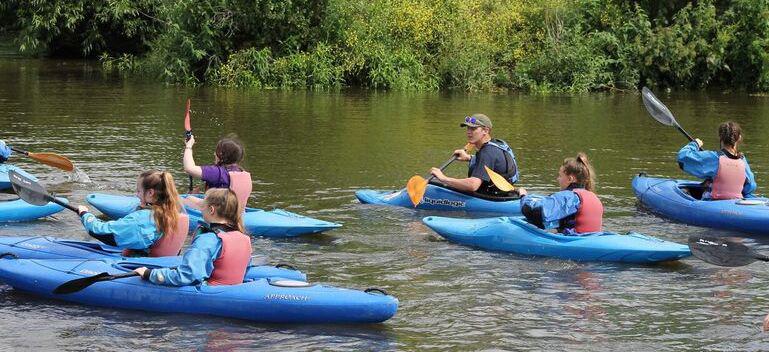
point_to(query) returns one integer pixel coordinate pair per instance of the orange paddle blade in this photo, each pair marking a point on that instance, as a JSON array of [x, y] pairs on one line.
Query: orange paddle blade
[[187, 125], [416, 188], [469, 147], [54, 160], [498, 180]]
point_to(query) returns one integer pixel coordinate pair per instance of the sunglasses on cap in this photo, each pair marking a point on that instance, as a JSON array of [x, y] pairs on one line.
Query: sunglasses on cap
[[470, 119]]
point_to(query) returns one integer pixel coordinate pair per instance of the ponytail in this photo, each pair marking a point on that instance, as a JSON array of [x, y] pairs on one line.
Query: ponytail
[[730, 133], [229, 150], [225, 202], [166, 207], [581, 169]]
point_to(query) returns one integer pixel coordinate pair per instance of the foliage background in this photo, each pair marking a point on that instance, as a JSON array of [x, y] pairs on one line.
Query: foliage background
[[543, 46]]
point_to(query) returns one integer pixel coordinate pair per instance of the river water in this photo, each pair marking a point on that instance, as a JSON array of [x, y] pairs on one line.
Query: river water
[[309, 151]]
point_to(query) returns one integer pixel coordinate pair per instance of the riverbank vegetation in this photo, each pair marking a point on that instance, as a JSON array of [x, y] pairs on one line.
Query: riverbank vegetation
[[545, 45]]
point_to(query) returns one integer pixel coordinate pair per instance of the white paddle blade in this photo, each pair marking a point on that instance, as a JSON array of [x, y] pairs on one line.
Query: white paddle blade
[[657, 109]]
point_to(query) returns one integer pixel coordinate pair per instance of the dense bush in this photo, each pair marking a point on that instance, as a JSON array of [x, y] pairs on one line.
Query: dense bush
[[543, 45]]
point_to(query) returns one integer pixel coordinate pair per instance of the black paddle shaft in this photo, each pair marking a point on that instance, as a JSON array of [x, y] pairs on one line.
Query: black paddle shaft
[[443, 167]]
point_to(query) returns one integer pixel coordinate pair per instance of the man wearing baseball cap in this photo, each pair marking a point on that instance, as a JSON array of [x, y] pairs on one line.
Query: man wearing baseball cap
[[494, 153]]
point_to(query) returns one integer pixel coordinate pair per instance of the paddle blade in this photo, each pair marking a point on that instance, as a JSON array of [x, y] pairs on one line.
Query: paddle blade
[[73, 286], [76, 285], [718, 251], [498, 180], [416, 188], [187, 125], [54, 160], [28, 190], [657, 109], [469, 147]]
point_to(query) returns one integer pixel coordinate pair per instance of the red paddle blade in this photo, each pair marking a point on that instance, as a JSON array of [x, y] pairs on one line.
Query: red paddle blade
[[187, 126]]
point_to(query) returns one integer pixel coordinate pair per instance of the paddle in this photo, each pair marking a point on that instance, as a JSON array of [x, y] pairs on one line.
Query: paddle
[[721, 252], [76, 285], [49, 159], [660, 112], [188, 131], [417, 185], [498, 180], [32, 192]]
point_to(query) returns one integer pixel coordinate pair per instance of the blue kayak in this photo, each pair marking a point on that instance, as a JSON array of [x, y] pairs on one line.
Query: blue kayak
[[258, 222], [515, 235], [43, 247], [14, 210], [679, 200], [5, 182], [445, 199], [268, 300]]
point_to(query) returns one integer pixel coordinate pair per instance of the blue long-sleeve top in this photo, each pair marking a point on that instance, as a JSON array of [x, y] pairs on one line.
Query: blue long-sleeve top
[[197, 261], [553, 208], [704, 164], [136, 230]]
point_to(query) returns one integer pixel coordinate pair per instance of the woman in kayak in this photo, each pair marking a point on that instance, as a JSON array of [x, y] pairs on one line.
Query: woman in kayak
[[224, 173], [726, 172], [5, 152], [573, 210], [141, 231], [219, 253], [492, 152]]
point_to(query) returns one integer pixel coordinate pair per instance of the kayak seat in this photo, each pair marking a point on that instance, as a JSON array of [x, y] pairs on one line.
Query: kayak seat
[[479, 195], [692, 189]]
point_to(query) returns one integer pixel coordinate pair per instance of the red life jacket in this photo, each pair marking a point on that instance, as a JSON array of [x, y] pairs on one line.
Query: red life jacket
[[230, 268], [589, 217], [240, 183], [729, 179], [169, 244]]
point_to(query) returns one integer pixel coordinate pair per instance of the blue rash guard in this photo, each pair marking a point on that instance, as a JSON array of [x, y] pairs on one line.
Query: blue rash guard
[[704, 165], [197, 261], [546, 212], [136, 230]]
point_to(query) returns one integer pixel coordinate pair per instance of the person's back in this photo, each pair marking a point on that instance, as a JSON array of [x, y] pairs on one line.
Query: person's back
[[573, 210], [220, 252], [159, 215], [726, 172]]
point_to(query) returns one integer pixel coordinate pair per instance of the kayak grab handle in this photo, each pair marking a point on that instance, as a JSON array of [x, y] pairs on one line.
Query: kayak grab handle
[[9, 254], [285, 266], [373, 290]]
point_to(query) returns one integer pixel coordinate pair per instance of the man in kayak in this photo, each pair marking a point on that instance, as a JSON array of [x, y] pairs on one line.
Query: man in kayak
[[5, 152], [492, 152], [726, 172]]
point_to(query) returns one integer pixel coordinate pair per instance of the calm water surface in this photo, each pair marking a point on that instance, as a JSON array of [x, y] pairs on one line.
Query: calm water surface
[[310, 151]]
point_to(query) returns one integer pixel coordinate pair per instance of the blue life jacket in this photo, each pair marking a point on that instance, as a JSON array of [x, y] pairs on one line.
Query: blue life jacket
[[512, 172]]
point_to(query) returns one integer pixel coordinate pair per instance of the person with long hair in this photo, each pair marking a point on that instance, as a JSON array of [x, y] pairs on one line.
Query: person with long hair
[[220, 251], [575, 209], [726, 172], [159, 215]]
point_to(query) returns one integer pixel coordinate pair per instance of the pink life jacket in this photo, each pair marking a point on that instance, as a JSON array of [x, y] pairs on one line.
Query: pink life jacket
[[729, 179], [230, 268], [589, 217], [240, 183], [169, 244]]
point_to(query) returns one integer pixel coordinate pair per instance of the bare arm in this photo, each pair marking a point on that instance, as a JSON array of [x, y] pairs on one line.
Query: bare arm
[[189, 162]]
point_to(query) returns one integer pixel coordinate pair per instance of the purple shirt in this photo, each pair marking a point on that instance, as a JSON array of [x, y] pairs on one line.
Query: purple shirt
[[216, 176]]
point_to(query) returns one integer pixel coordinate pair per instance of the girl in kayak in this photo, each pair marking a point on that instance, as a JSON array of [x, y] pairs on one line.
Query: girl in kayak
[[224, 173], [220, 252], [5, 152], [575, 209], [156, 227], [726, 172]]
